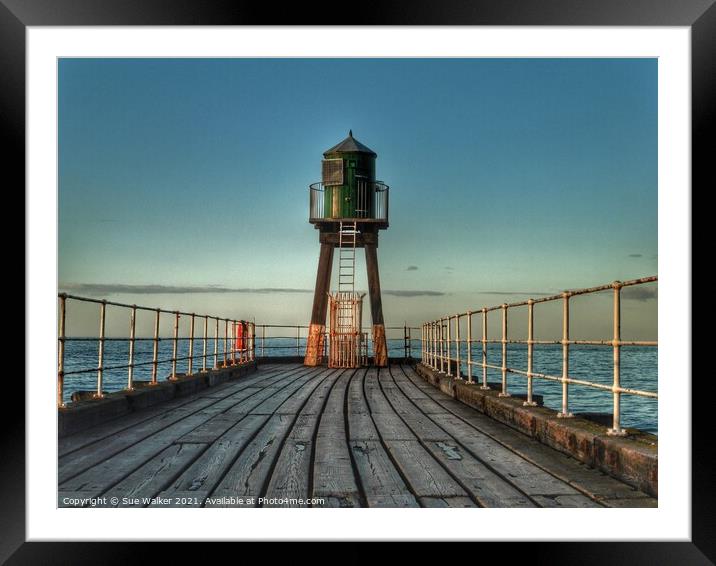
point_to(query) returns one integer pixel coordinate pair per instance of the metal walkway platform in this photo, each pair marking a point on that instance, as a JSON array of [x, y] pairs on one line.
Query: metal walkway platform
[[290, 435]]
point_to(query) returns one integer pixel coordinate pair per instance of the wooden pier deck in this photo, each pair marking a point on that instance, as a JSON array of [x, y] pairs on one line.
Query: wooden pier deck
[[290, 435]]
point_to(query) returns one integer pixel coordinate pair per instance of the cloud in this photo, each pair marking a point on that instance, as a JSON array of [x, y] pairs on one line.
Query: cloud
[[412, 268], [520, 293], [120, 288], [640, 293], [397, 293], [105, 289], [635, 255], [449, 268]]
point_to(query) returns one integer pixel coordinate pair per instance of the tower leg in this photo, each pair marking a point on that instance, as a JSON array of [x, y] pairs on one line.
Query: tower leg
[[316, 332], [380, 347]]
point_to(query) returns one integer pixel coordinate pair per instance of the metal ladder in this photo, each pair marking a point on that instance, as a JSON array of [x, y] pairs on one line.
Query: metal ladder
[[346, 277], [347, 256]]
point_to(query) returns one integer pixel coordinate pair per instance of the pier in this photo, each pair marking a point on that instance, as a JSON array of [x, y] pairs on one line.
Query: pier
[[296, 436], [212, 411]]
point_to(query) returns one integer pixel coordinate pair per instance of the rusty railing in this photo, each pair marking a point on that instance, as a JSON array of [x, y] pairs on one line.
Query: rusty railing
[[441, 348], [237, 343], [406, 335]]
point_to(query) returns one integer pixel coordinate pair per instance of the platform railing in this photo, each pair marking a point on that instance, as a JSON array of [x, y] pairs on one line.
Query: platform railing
[[441, 345], [371, 202], [233, 343]]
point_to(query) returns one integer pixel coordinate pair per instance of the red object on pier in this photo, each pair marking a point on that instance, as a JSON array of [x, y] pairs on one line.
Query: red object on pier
[[240, 334]]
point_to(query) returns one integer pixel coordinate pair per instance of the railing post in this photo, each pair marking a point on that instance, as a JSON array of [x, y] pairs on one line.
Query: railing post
[[433, 349], [61, 353], [216, 344], [175, 345], [190, 367], [431, 361], [405, 340], [530, 352], [616, 429], [504, 392], [234, 326], [253, 341], [442, 346], [100, 356], [263, 339], [226, 342], [457, 346], [203, 349], [484, 349], [132, 334], [447, 347], [564, 413], [298, 340], [155, 348], [469, 347]]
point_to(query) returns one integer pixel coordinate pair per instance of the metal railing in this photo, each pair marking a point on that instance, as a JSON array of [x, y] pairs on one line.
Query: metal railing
[[237, 345], [441, 348], [295, 342], [371, 202]]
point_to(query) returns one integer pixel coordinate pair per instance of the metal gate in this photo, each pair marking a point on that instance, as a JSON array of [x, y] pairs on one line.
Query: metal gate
[[348, 345]]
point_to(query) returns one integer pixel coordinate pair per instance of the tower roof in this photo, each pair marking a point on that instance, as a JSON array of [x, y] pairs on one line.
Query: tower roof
[[350, 145]]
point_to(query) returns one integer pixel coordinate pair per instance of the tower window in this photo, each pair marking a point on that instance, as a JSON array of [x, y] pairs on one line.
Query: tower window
[[332, 171]]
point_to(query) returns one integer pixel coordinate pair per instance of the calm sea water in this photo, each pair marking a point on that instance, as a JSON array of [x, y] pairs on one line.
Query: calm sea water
[[593, 363]]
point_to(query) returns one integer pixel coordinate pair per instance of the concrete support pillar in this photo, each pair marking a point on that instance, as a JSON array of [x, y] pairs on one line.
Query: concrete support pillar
[[380, 347], [316, 332]]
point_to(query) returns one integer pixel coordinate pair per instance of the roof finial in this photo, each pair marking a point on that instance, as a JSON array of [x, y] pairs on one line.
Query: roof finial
[[350, 133]]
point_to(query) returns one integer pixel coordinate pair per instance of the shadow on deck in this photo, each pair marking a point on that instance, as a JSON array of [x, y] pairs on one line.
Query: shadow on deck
[[294, 436]]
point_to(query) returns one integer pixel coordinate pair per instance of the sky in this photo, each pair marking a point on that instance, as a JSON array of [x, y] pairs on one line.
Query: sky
[[509, 178]]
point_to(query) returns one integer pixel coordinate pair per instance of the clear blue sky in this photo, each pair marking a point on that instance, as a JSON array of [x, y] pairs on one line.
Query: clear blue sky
[[507, 176]]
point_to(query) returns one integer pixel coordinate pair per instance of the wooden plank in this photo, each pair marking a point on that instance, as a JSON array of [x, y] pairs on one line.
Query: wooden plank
[[456, 502], [318, 398], [137, 489], [377, 403], [391, 427], [201, 477], [306, 424], [290, 477], [289, 483], [108, 472], [596, 484], [526, 476], [486, 487], [559, 500], [197, 483], [333, 475], [247, 475], [360, 423], [423, 473], [137, 445], [88, 456], [122, 425], [273, 402], [381, 482], [294, 405]]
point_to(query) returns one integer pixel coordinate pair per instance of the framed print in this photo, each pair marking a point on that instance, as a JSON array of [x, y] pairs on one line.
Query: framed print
[[390, 279]]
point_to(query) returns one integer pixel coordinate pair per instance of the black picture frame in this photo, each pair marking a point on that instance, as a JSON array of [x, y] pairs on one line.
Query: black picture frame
[[699, 15]]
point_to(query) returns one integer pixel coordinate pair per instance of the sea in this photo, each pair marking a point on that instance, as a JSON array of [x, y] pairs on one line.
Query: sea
[[639, 370]]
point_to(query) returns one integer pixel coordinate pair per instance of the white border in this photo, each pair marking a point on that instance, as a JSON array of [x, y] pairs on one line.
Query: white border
[[671, 521]]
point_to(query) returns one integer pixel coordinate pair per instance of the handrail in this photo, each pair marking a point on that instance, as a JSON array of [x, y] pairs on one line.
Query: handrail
[[437, 344], [225, 352], [229, 351]]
